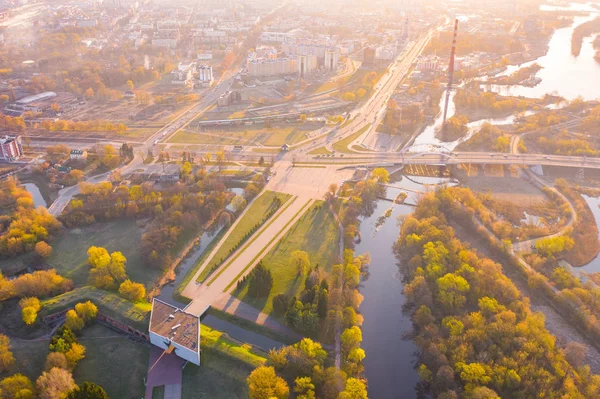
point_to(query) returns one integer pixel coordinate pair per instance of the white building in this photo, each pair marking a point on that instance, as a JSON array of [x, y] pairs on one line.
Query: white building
[[306, 65], [183, 75], [78, 154], [205, 56], [275, 37], [258, 67], [205, 75], [332, 58], [175, 330]]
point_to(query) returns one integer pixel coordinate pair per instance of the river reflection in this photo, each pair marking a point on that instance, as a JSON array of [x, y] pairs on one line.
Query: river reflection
[[389, 365]]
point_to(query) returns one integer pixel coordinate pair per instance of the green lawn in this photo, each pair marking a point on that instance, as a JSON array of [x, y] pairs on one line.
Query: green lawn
[[275, 136], [319, 151], [114, 362], [316, 233], [69, 257], [109, 303], [30, 358], [342, 145], [257, 211], [225, 365]]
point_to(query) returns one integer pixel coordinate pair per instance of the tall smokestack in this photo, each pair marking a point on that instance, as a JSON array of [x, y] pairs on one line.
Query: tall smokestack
[[450, 73]]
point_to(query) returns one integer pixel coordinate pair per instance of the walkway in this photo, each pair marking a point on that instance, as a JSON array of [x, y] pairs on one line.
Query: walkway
[[164, 371], [244, 259]]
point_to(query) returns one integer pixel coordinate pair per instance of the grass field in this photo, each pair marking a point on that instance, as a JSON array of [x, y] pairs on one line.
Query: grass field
[[113, 361], [69, 257], [319, 151], [134, 314], [225, 365], [30, 358], [275, 136], [316, 233], [251, 217], [342, 145]]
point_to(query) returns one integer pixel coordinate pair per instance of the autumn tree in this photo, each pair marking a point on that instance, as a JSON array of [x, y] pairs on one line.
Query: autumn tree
[[132, 291], [43, 249], [381, 174], [87, 390], [75, 354], [87, 311], [73, 321], [56, 359], [354, 389], [55, 384], [30, 306], [263, 383], [238, 203], [17, 386], [300, 261], [6, 356], [107, 270], [304, 388]]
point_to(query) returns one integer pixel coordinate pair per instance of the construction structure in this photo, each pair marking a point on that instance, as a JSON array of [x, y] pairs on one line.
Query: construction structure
[[175, 331], [450, 74]]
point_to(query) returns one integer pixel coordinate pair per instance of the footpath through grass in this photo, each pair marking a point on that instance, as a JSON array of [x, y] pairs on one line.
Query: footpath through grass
[[253, 216], [70, 258], [317, 233], [342, 145], [225, 365]]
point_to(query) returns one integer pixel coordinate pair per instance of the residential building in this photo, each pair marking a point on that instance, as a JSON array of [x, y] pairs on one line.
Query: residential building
[[11, 148], [175, 331], [276, 37], [258, 67], [205, 75], [332, 58], [78, 154], [306, 65], [183, 75]]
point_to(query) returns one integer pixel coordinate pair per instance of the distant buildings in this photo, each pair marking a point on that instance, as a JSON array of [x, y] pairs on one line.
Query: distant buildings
[[259, 67], [42, 103], [228, 98], [11, 148]]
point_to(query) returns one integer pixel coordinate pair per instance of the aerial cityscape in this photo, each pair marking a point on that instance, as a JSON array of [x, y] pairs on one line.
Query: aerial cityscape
[[299, 199]]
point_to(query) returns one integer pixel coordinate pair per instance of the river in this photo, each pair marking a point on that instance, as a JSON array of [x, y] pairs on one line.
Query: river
[[390, 360]]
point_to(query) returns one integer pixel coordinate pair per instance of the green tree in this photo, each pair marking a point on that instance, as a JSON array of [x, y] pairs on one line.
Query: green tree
[[351, 338], [263, 383]]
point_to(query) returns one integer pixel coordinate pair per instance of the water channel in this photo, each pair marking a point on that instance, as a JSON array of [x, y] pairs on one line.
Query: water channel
[[38, 199]]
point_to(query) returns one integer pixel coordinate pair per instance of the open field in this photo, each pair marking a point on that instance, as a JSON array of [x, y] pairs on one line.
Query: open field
[[70, 250], [317, 233], [248, 135], [109, 303], [342, 145], [257, 211], [30, 357], [113, 361]]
